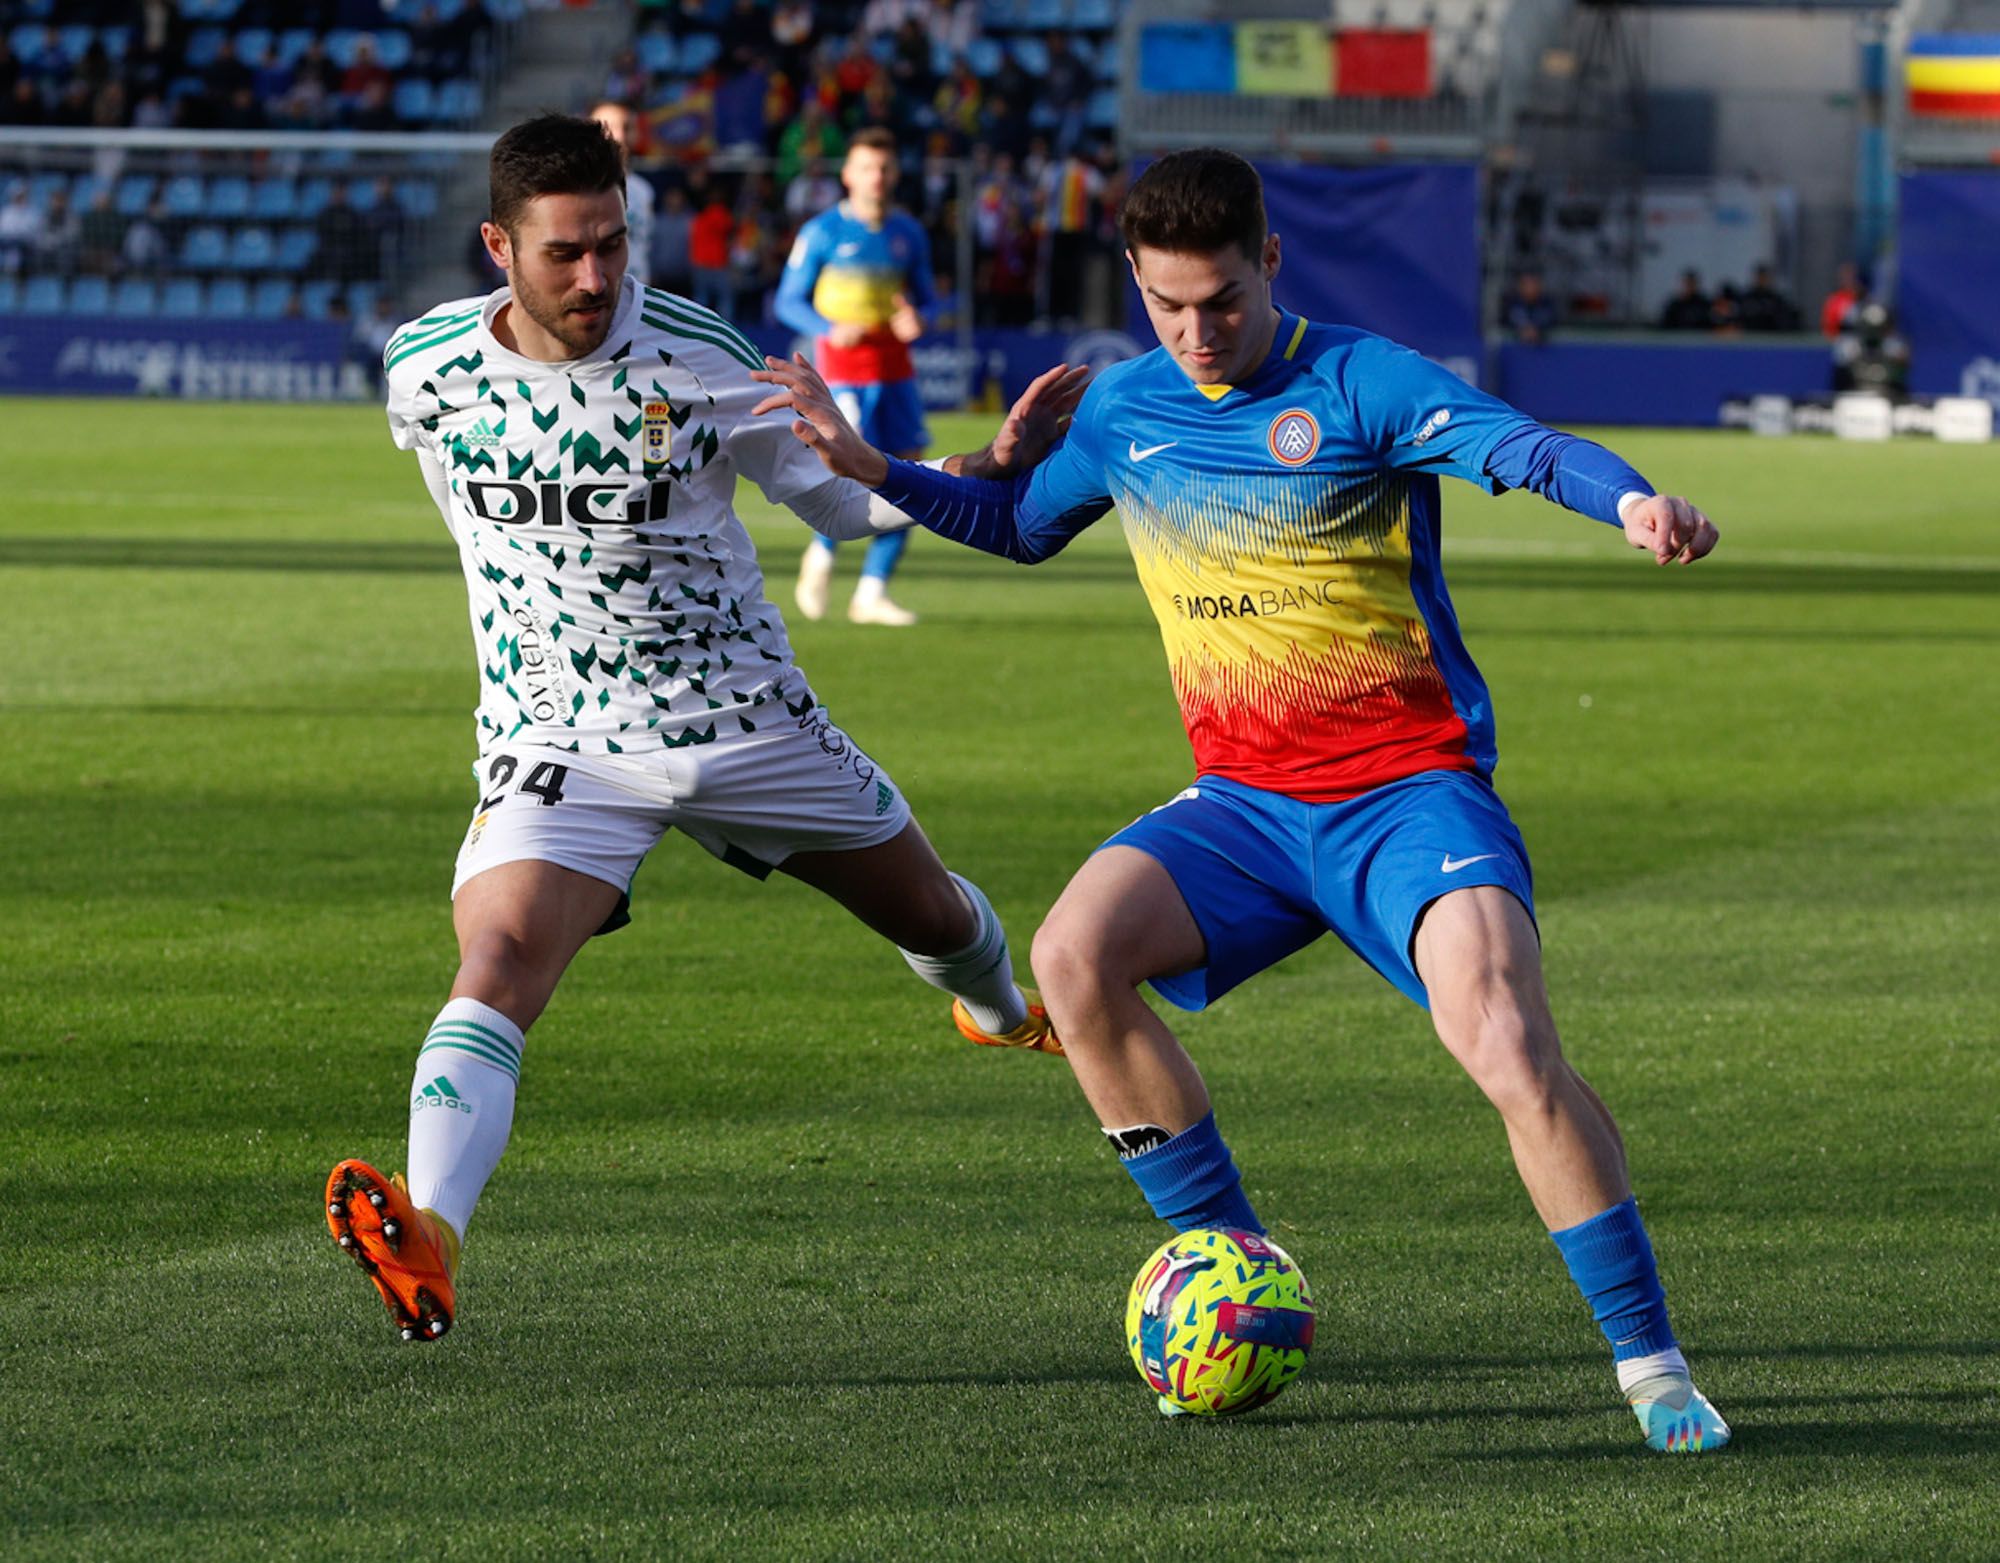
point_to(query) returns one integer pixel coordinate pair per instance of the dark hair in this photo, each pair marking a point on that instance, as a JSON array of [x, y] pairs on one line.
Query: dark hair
[[551, 154], [1196, 202], [877, 138]]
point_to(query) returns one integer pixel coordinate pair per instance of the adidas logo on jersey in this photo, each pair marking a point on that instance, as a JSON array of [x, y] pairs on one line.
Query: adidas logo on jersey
[[440, 1093], [481, 433]]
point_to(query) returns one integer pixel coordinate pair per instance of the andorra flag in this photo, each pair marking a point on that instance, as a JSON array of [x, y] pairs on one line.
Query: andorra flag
[[1955, 75]]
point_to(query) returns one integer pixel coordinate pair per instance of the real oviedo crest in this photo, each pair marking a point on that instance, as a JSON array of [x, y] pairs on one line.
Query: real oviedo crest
[[656, 433], [1294, 437]]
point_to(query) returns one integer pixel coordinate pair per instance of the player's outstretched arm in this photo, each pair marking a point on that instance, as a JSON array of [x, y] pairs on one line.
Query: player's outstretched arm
[[1020, 514], [1667, 526]]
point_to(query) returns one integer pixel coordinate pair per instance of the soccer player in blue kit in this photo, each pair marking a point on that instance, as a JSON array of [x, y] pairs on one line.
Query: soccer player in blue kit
[[1278, 484], [858, 281]]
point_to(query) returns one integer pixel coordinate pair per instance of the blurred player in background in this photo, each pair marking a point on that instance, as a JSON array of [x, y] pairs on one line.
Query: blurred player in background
[[582, 436], [617, 120], [859, 281], [1277, 480]]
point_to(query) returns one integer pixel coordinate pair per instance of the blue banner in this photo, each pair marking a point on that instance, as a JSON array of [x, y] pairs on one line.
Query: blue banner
[[218, 360], [1663, 384], [1948, 281], [1392, 250]]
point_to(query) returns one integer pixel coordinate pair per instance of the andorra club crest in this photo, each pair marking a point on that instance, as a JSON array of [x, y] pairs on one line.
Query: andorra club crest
[[1294, 436], [656, 434]]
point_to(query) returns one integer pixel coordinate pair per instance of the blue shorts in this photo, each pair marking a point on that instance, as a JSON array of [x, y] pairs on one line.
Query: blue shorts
[[1265, 875], [890, 417]]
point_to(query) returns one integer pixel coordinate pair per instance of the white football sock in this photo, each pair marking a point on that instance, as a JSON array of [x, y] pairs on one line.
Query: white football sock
[[1661, 1364], [461, 1107], [980, 976]]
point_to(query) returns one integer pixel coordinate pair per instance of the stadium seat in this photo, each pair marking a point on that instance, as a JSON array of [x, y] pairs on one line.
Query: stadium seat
[[43, 296], [293, 42], [270, 298], [459, 102], [274, 200], [203, 45], [295, 248], [1031, 54], [1102, 111], [417, 198], [699, 51], [252, 249], [183, 196], [85, 189], [985, 57], [656, 53], [117, 40], [313, 196], [360, 298], [44, 185], [135, 298], [341, 44], [1042, 14], [228, 299], [74, 40], [1095, 15], [25, 40], [181, 297], [90, 296], [251, 43], [227, 197], [206, 248], [415, 100], [135, 194], [999, 13], [10, 296], [316, 298], [393, 49]]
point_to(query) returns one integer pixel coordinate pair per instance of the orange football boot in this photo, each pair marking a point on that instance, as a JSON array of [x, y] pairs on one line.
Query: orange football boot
[[408, 1253], [1035, 1032]]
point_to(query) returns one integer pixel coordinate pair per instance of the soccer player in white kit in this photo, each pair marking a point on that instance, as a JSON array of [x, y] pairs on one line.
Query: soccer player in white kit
[[582, 436]]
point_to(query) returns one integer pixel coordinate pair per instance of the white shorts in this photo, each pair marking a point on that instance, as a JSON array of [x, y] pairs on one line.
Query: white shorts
[[752, 801]]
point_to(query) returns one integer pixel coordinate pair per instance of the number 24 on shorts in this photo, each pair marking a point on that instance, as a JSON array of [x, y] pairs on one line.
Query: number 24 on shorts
[[545, 782]]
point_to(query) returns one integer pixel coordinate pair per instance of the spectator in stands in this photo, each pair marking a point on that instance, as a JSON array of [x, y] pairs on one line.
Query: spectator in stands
[[375, 109], [812, 190], [1066, 87], [226, 74], [433, 46], [743, 33], [158, 44], [19, 224], [103, 233], [910, 64], [617, 120], [1765, 308], [242, 112], [673, 229], [61, 237], [24, 107], [793, 26], [366, 73], [1726, 311], [315, 82], [10, 66], [710, 235], [1870, 354], [109, 110], [72, 107], [151, 112], [625, 81], [469, 35], [1847, 292], [272, 79], [1066, 197], [957, 104], [811, 137], [144, 248], [954, 24], [1527, 312], [347, 250], [1689, 309]]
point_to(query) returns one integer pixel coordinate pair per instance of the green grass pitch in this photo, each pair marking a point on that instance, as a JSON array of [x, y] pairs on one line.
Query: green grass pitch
[[778, 1268]]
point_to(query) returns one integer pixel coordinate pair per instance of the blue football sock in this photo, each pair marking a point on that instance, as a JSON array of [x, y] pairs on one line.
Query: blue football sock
[[1611, 1260], [1192, 1181]]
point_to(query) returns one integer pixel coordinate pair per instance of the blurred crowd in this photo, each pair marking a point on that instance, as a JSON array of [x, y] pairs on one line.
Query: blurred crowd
[[744, 149], [142, 70]]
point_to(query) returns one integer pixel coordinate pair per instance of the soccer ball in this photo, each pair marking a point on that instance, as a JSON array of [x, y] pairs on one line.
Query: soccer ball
[[1218, 1321]]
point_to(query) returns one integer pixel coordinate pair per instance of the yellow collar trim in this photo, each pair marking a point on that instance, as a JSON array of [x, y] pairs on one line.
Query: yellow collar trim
[[1215, 393]]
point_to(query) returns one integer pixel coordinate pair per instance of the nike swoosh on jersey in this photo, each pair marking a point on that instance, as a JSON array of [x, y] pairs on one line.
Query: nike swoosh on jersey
[[1151, 450], [1451, 867]]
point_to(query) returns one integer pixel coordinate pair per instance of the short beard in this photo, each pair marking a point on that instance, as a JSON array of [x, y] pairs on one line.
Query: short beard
[[553, 318]]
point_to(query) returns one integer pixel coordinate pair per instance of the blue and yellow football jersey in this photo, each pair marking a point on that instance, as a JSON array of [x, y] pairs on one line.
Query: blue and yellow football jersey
[[843, 272], [1286, 532]]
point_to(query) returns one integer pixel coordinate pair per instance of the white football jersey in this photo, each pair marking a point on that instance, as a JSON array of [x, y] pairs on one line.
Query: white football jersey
[[617, 604]]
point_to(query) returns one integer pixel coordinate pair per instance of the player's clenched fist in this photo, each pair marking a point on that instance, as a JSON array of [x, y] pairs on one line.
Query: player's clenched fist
[[1668, 527]]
